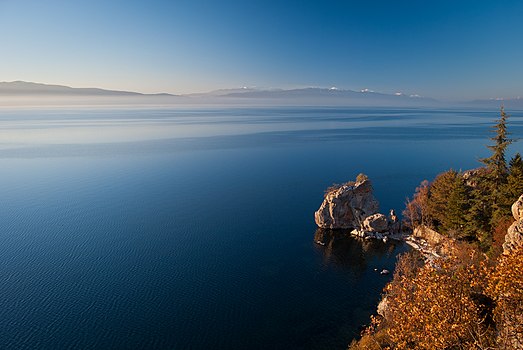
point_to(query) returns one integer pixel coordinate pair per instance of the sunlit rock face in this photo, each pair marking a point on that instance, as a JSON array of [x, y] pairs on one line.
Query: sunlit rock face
[[376, 223], [347, 206], [514, 237], [427, 234]]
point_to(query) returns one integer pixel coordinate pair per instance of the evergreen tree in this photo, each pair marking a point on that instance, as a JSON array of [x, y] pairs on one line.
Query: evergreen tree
[[515, 178], [478, 215], [498, 171], [440, 189], [510, 191], [449, 204], [496, 163], [454, 221]]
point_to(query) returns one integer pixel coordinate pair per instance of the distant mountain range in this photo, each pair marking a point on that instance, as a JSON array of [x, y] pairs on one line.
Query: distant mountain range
[[314, 94], [301, 96], [496, 102], [22, 88], [317, 96]]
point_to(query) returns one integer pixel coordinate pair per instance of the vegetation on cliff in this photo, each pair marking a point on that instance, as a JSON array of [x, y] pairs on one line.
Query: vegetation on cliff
[[471, 205], [465, 301], [472, 298]]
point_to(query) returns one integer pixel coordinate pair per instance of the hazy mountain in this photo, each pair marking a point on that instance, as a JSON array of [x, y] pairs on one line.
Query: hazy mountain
[[497, 102], [222, 92], [327, 96], [25, 92], [22, 88]]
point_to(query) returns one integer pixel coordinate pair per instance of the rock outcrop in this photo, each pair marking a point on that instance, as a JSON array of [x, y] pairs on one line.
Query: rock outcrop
[[347, 206], [430, 243], [352, 206], [376, 223], [394, 223], [383, 307], [514, 237], [432, 237]]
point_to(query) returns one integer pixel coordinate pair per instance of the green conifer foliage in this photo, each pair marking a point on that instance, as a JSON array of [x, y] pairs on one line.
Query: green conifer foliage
[[454, 221], [440, 189], [449, 204], [509, 193], [515, 178], [478, 217], [496, 163], [498, 171]]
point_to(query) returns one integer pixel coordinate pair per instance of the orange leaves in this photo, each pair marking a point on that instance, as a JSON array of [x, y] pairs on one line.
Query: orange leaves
[[506, 289], [461, 302], [433, 309]]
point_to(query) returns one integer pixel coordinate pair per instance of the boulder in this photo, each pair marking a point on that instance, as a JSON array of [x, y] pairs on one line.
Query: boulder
[[432, 237], [514, 236], [517, 209], [376, 223], [346, 206], [383, 308]]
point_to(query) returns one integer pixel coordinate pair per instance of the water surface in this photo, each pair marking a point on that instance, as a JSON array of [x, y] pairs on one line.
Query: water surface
[[193, 228]]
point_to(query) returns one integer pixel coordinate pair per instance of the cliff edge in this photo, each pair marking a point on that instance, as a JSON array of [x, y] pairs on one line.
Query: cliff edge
[[514, 237], [347, 206]]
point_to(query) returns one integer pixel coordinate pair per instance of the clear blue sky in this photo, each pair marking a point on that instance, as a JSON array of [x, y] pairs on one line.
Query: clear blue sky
[[444, 49]]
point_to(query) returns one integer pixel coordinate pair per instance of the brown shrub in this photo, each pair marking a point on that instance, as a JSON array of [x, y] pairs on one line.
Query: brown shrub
[[498, 236], [506, 289], [437, 308]]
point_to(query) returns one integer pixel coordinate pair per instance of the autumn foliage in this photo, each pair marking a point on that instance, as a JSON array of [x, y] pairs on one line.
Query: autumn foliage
[[437, 308], [471, 206], [459, 302], [472, 298], [505, 287]]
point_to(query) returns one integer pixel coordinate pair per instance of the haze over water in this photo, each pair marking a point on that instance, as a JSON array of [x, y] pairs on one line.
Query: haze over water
[[193, 228]]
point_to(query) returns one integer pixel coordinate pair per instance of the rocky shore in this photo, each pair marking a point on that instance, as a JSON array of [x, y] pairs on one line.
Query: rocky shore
[[514, 237], [353, 206]]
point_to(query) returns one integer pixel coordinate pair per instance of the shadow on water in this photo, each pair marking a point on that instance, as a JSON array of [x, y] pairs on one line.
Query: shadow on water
[[349, 275], [340, 249]]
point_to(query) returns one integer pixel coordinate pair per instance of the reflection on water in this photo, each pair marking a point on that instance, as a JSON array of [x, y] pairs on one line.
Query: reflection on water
[[64, 132], [178, 229], [341, 249]]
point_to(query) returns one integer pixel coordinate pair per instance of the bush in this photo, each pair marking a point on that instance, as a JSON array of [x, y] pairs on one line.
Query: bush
[[436, 308], [506, 289], [361, 177], [498, 237]]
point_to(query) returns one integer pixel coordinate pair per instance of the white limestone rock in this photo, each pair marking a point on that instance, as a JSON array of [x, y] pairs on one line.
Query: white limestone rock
[[376, 223], [514, 236], [346, 206]]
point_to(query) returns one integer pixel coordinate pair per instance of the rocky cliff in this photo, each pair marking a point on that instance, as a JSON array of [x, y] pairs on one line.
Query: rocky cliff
[[514, 237], [347, 206]]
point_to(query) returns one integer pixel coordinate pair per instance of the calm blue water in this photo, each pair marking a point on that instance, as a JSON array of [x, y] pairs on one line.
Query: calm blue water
[[193, 229]]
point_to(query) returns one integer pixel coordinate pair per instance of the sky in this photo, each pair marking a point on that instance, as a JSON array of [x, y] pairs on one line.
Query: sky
[[443, 49]]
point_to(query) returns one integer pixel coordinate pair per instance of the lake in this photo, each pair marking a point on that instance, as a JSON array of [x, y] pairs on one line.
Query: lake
[[193, 228]]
